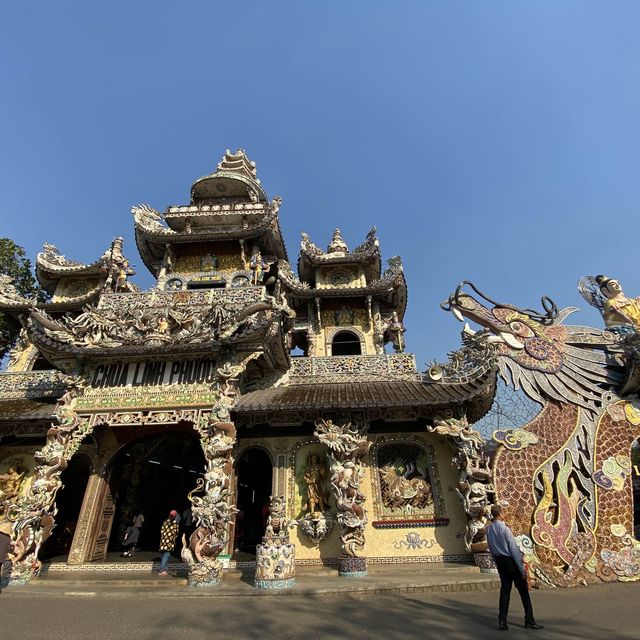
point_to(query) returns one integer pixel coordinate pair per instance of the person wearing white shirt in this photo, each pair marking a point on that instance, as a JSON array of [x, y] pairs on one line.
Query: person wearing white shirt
[[508, 559]]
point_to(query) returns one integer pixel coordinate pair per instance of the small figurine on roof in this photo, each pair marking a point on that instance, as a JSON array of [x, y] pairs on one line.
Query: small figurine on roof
[[621, 314], [122, 273], [259, 267], [396, 330]]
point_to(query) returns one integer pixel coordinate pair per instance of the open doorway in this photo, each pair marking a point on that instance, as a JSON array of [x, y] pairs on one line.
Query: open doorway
[[152, 476], [68, 503], [254, 489]]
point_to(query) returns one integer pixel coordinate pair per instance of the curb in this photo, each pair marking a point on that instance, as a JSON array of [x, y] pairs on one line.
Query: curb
[[85, 590]]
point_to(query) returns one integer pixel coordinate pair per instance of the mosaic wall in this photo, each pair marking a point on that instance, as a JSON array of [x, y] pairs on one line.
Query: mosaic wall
[[566, 477]]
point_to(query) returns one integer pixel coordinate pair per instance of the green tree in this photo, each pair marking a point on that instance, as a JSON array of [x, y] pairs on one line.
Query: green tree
[[14, 263]]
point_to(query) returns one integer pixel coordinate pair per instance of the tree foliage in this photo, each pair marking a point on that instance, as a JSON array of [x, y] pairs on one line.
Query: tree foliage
[[15, 263]]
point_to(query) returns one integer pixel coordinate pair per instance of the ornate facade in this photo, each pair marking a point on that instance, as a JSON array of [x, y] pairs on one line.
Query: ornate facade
[[237, 381]]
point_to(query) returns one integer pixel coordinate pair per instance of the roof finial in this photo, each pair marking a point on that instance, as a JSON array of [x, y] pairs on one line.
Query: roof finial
[[238, 162], [337, 243]]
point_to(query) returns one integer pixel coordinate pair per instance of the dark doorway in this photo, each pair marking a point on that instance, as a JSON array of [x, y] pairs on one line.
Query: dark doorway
[[346, 343], [152, 476], [254, 489], [68, 502]]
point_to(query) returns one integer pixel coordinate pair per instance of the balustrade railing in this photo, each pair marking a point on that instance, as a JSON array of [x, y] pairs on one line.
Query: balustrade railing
[[397, 366], [157, 298]]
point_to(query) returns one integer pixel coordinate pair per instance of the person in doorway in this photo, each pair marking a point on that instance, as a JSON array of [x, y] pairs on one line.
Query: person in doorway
[[6, 545], [168, 536], [138, 520], [130, 540], [508, 559], [187, 522]]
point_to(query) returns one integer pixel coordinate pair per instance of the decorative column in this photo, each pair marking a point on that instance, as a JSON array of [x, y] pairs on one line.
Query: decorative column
[[33, 515], [347, 447], [276, 556], [475, 485], [212, 510]]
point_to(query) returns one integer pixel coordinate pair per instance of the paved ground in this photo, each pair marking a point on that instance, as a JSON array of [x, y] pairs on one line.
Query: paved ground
[[607, 612]]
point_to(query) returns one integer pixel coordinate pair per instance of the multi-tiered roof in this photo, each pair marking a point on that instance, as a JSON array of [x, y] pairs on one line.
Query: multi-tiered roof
[[228, 204]]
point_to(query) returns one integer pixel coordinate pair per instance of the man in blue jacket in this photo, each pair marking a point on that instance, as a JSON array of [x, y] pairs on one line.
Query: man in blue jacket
[[508, 559]]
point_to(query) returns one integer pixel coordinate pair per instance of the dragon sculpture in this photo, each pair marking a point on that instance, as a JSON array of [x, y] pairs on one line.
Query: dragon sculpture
[[347, 447], [32, 515], [564, 477], [213, 510]]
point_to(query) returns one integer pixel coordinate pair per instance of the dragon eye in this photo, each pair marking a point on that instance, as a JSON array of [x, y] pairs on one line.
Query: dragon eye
[[520, 329]]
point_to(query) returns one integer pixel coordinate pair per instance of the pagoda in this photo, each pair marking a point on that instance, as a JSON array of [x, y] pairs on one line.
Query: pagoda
[[231, 380]]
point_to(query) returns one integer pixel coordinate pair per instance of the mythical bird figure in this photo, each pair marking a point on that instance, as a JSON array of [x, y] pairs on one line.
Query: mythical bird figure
[[551, 478]]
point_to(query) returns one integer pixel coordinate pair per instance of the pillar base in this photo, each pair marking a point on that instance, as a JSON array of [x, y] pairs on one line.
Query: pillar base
[[205, 574], [352, 567], [275, 565], [484, 561], [275, 584], [199, 584]]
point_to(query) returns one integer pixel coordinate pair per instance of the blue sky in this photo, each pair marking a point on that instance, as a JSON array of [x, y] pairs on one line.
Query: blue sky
[[491, 141]]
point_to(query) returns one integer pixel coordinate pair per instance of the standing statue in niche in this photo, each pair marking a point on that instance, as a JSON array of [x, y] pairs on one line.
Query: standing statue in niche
[[315, 476], [317, 521]]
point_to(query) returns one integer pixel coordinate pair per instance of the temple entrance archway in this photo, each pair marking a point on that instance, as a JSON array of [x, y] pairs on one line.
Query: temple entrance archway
[[68, 503], [254, 474], [152, 475]]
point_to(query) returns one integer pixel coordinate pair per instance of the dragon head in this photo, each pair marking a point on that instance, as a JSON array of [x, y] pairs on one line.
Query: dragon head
[[536, 352]]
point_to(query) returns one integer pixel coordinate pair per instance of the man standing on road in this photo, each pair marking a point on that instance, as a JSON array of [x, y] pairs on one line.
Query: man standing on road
[[508, 559]]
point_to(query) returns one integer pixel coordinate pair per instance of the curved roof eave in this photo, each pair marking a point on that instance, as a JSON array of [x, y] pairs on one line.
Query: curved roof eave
[[231, 175]]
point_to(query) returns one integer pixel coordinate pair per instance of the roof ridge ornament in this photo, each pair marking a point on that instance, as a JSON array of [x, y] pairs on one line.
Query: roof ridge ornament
[[370, 241], [238, 162], [337, 244], [52, 254]]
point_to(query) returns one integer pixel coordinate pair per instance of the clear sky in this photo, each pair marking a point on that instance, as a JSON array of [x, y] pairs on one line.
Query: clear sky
[[491, 141]]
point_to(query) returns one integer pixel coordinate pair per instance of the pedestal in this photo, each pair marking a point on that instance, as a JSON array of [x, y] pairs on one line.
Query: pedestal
[[275, 566], [352, 567], [205, 574], [484, 561]]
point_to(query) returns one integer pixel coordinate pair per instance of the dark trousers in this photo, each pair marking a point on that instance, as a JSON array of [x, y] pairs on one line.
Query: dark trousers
[[510, 574]]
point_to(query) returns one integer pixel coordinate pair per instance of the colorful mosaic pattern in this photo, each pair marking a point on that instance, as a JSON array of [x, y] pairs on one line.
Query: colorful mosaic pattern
[[565, 477]]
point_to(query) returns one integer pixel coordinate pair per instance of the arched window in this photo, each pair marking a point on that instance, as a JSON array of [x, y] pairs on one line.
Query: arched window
[[346, 343]]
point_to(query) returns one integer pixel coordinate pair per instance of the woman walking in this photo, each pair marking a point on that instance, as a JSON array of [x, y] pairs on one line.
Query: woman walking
[[168, 535]]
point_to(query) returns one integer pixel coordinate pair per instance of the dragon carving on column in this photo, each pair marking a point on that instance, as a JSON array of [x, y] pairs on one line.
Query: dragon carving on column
[[565, 476], [475, 486], [33, 515], [213, 510], [347, 447]]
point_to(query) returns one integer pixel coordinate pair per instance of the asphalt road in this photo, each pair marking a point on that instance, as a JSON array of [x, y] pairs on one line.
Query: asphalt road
[[604, 612]]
